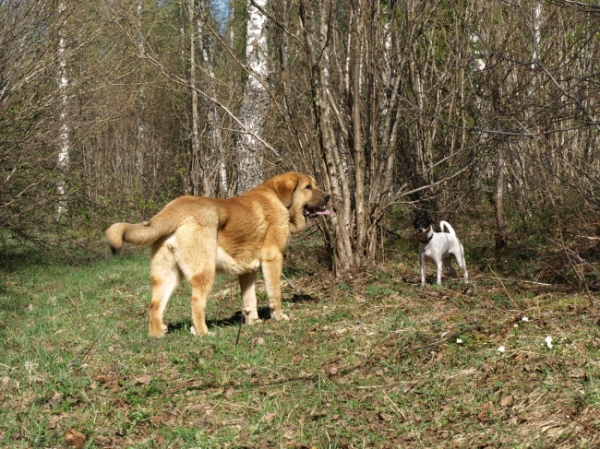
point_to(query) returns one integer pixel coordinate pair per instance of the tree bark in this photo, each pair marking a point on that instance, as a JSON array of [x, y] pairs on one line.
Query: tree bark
[[64, 152], [502, 234], [250, 152], [356, 37], [141, 144], [341, 223], [196, 175], [216, 159]]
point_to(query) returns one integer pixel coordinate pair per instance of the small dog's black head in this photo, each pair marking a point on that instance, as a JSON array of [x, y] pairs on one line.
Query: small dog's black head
[[422, 224], [422, 227]]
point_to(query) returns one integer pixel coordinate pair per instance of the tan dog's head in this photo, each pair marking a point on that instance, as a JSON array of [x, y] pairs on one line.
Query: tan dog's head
[[300, 194]]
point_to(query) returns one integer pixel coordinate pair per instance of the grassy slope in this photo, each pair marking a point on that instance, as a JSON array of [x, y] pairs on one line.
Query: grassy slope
[[351, 369]]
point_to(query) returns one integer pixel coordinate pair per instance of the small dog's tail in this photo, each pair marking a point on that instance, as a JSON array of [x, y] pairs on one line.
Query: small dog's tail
[[137, 234], [445, 224]]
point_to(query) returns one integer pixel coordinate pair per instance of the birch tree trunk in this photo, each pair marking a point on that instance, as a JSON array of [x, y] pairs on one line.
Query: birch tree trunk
[[65, 130], [502, 235], [250, 151], [537, 35], [216, 160], [196, 175], [141, 106]]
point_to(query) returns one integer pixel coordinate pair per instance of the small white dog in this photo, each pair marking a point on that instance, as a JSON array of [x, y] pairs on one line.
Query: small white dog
[[440, 247]]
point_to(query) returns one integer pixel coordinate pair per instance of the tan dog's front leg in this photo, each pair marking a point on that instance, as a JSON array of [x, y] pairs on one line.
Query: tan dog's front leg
[[249, 305], [272, 274]]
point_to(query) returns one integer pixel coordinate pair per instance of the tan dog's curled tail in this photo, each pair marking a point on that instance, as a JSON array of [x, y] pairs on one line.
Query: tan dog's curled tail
[[137, 234]]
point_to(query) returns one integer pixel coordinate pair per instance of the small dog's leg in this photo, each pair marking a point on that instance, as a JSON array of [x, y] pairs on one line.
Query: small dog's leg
[[449, 267], [423, 281], [439, 271], [463, 265]]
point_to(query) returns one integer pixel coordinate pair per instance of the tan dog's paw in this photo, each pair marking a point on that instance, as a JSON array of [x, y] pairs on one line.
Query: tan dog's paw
[[251, 320], [251, 316], [279, 316], [158, 331], [193, 332]]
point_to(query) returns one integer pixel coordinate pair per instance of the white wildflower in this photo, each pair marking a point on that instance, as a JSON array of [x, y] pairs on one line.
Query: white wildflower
[[548, 341], [459, 341], [525, 318], [30, 366], [501, 349]]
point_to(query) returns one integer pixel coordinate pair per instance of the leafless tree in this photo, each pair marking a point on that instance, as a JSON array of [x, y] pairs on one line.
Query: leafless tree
[[479, 109], [255, 100]]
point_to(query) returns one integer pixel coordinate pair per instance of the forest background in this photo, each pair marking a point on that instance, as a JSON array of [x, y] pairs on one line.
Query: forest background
[[481, 113]]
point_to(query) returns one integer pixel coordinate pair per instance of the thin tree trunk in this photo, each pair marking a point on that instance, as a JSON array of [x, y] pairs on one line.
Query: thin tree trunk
[[357, 139], [141, 117], [255, 102], [65, 130], [196, 173], [502, 235], [212, 111], [537, 35]]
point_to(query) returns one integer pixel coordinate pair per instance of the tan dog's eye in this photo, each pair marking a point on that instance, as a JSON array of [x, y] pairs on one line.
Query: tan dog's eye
[[309, 187]]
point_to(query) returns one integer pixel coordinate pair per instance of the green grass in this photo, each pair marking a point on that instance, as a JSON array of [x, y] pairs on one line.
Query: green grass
[[364, 362]]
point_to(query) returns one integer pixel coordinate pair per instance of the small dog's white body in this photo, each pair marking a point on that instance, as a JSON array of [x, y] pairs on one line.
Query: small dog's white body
[[440, 247]]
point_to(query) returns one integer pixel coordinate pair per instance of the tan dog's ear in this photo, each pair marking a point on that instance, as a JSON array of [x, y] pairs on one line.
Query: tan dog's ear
[[285, 186]]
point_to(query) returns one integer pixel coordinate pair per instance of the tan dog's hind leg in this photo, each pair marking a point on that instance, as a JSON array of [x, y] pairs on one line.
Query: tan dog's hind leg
[[272, 274], [165, 277], [202, 283], [249, 309], [197, 258]]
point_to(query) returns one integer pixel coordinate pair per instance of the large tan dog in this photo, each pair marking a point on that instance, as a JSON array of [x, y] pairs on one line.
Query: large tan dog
[[197, 237]]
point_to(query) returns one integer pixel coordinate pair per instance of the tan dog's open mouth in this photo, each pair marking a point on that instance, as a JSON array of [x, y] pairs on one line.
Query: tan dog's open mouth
[[312, 212]]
